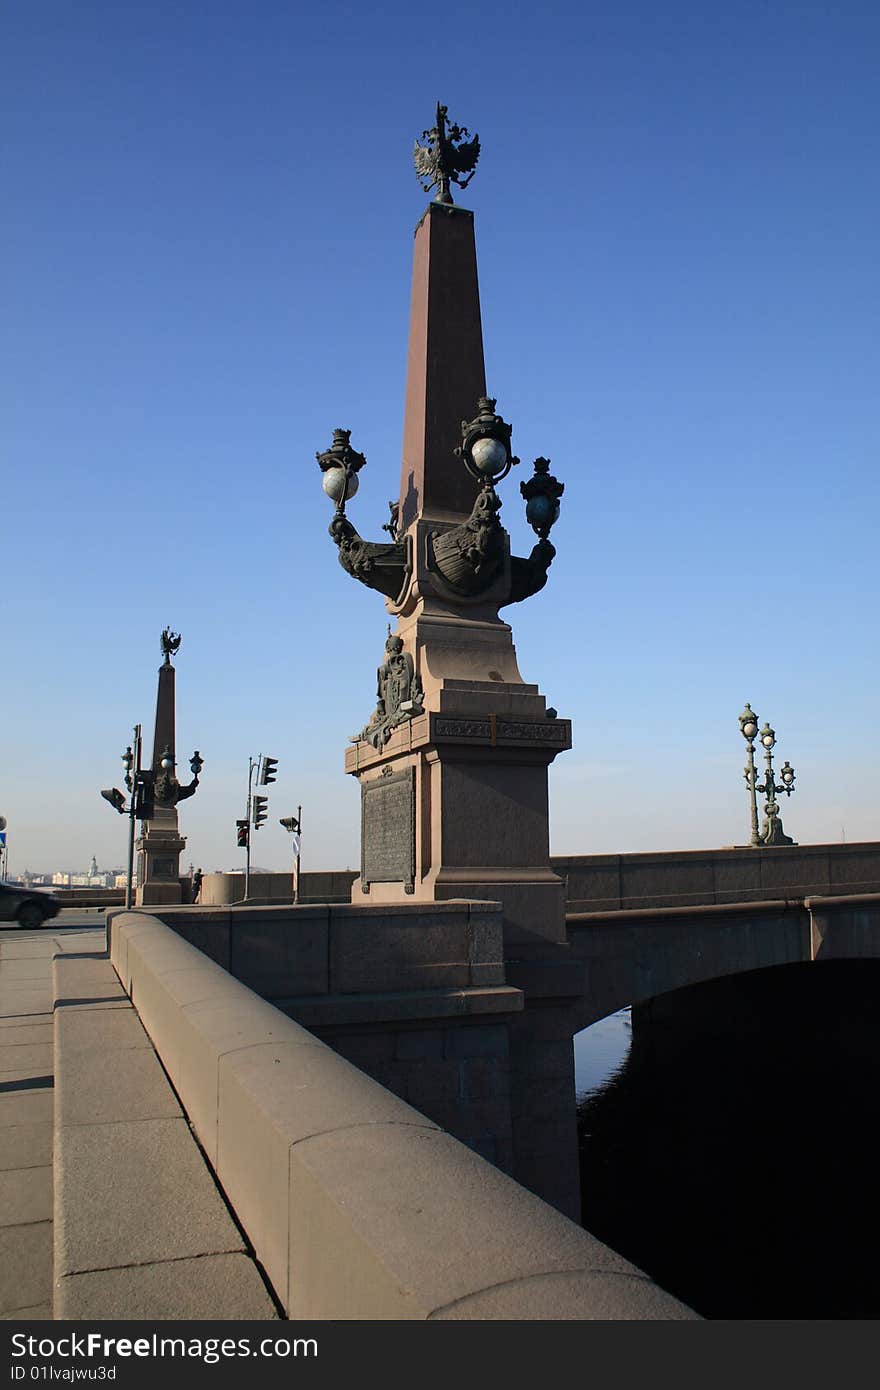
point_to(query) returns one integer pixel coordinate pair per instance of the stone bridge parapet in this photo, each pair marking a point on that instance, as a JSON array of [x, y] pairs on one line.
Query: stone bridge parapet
[[357, 1205]]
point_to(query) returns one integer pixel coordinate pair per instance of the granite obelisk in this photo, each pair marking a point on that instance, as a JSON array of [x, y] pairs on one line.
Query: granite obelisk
[[160, 843], [453, 763]]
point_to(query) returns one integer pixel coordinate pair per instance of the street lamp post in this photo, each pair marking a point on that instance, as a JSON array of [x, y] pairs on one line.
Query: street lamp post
[[748, 723], [142, 789], [131, 761], [771, 832], [294, 825]]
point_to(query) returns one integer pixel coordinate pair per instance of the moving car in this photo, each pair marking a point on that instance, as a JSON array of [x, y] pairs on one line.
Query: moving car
[[26, 907]]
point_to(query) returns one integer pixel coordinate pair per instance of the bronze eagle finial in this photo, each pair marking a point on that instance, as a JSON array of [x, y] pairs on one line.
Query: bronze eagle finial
[[446, 158], [170, 642]]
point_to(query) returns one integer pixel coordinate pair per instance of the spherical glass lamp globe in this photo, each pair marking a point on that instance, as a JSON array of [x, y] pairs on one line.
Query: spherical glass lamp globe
[[541, 510], [489, 457], [333, 483]]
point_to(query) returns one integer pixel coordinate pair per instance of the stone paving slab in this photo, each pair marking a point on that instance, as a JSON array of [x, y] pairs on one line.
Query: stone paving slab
[[26, 1034], [35, 1059], [25, 950], [141, 1230], [97, 1001], [86, 979], [216, 1287], [26, 1108], [25, 1195], [26, 1117], [16, 1002], [41, 1313], [134, 1193], [26, 1128], [99, 1086], [25, 1265], [86, 967], [25, 1146], [24, 968], [115, 1030]]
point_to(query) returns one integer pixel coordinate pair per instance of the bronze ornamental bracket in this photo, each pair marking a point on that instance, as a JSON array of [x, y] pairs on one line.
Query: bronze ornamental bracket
[[384, 566], [381, 565]]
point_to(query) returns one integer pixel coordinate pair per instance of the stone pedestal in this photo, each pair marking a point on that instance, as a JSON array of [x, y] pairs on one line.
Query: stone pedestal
[[476, 823], [158, 858], [455, 804]]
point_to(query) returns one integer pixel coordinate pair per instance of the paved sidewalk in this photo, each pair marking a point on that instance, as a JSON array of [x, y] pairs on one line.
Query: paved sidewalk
[[26, 1110]]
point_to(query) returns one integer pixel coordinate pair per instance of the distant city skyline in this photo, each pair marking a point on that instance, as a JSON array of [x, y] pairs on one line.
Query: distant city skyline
[[207, 268], [82, 877]]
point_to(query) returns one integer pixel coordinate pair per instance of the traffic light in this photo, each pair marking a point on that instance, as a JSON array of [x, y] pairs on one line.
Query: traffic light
[[260, 812], [144, 805], [242, 830], [267, 771]]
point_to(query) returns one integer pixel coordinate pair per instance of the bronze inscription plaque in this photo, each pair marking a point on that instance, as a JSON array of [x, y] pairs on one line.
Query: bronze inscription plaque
[[388, 830]]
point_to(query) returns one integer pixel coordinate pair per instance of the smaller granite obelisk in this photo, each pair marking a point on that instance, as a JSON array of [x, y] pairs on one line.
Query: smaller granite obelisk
[[160, 843]]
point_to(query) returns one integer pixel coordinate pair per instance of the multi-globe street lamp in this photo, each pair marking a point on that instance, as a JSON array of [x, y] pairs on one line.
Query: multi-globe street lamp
[[771, 831], [136, 780], [469, 557], [143, 792]]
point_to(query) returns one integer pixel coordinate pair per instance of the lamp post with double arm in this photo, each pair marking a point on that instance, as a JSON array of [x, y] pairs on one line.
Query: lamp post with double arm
[[771, 831]]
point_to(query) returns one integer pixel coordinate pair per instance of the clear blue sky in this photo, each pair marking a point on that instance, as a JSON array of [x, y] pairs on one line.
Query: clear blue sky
[[206, 254]]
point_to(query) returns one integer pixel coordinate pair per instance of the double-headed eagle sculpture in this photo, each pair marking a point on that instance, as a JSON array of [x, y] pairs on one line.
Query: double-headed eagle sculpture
[[170, 642], [446, 158]]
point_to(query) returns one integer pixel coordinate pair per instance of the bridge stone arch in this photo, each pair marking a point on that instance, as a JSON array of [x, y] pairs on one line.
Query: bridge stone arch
[[630, 957]]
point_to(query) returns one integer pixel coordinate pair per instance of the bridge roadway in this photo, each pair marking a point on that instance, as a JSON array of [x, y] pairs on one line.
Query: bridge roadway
[[26, 1105], [107, 1206]]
